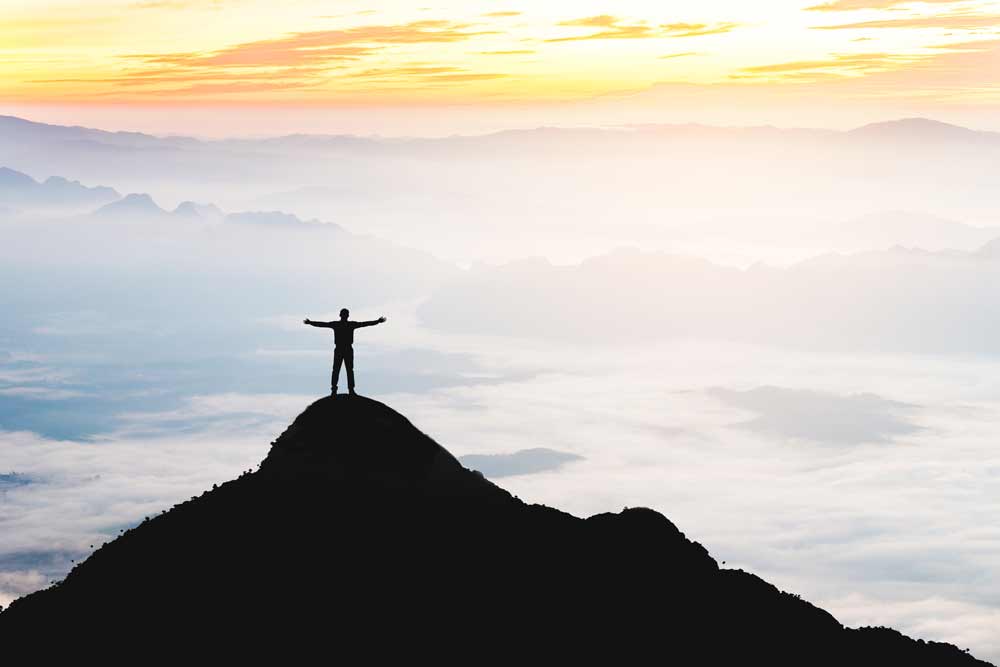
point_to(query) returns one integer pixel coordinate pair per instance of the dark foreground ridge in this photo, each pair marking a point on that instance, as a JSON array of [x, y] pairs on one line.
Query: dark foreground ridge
[[361, 536]]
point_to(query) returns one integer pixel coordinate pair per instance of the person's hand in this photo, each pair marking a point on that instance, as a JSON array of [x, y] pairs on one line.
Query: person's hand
[[381, 319], [306, 321]]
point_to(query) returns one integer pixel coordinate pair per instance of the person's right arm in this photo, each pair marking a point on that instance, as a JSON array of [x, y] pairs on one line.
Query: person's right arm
[[313, 323]]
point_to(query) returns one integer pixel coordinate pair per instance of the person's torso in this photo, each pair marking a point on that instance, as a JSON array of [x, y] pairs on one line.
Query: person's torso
[[343, 334]]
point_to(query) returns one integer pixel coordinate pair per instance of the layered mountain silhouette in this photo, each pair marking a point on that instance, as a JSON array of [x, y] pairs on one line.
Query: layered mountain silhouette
[[18, 190], [132, 206], [360, 535]]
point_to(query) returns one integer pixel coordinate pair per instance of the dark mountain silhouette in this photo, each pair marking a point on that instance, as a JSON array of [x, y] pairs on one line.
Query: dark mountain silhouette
[[361, 535], [19, 190]]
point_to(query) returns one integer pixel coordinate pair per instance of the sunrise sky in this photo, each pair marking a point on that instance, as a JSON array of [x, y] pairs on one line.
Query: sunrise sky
[[174, 65]]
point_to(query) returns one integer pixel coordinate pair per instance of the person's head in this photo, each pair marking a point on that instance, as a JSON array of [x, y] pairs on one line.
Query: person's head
[[344, 313]]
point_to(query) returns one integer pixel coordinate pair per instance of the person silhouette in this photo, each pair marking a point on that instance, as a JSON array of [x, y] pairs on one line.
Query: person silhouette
[[343, 346]]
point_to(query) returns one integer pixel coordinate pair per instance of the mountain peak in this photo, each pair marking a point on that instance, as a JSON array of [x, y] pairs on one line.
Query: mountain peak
[[54, 193], [359, 534], [134, 204], [917, 129], [353, 440], [190, 209]]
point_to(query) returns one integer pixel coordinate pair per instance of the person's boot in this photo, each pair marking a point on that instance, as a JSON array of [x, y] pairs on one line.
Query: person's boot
[[333, 392], [352, 392]]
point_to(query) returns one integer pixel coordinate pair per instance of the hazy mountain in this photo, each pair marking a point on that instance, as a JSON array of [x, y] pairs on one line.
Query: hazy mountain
[[877, 230], [16, 132], [898, 300], [359, 524], [279, 219], [141, 206], [908, 228], [13, 180], [908, 130], [132, 206], [20, 191], [190, 209], [595, 176], [207, 287]]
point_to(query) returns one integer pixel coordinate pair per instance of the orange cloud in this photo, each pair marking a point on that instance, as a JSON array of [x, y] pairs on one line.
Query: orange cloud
[[320, 46], [502, 14], [291, 62]]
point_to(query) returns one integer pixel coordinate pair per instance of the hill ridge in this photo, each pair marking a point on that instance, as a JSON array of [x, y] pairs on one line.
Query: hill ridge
[[360, 529]]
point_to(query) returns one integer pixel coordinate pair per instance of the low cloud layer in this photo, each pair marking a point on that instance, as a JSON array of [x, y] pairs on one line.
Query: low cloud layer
[[822, 417], [521, 462]]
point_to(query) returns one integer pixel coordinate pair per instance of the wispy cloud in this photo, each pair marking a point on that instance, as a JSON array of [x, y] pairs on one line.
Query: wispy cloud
[[320, 46], [292, 62], [179, 4], [511, 52], [852, 5], [697, 29], [965, 20], [612, 27], [853, 62], [426, 73]]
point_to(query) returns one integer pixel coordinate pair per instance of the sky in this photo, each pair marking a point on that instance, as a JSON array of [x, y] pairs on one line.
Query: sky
[[179, 66]]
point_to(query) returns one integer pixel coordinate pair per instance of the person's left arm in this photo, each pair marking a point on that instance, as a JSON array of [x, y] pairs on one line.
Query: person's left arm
[[371, 323]]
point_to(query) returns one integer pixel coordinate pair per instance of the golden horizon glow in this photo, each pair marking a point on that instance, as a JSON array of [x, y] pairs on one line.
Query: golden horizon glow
[[482, 52]]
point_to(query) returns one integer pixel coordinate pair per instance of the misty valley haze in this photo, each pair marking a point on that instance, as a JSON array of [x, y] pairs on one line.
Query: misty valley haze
[[785, 340]]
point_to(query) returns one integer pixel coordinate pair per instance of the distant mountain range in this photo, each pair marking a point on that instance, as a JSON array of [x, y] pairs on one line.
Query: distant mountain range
[[25, 132], [20, 191], [898, 300], [361, 536], [592, 176], [140, 206], [920, 130]]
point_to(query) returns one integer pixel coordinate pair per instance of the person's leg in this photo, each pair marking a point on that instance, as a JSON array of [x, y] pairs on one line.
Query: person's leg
[[338, 358], [349, 362]]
